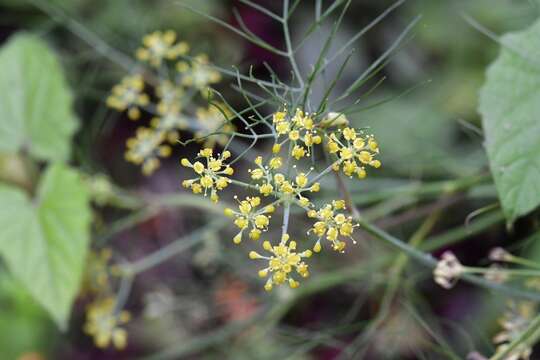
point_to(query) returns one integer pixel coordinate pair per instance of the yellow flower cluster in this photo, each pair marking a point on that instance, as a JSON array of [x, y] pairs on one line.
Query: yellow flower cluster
[[104, 323], [178, 83], [248, 216], [282, 261], [103, 318], [354, 150], [278, 177], [212, 177], [333, 224], [300, 130]]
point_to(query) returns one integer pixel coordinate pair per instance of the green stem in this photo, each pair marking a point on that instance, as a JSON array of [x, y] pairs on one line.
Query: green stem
[[167, 252], [428, 261]]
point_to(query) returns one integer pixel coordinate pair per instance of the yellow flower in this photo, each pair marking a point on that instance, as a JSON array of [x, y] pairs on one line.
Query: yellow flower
[[301, 180], [279, 117], [103, 324], [282, 128], [211, 176], [266, 189], [276, 163], [298, 152], [282, 262]]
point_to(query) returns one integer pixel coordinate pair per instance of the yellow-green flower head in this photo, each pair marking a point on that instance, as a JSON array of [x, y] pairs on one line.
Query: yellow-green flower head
[[198, 74], [103, 323], [159, 46], [332, 224], [283, 262], [129, 95], [354, 150], [146, 148], [250, 216], [212, 173]]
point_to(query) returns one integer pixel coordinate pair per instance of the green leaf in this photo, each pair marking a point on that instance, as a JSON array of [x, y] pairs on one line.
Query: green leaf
[[510, 106], [36, 104], [44, 241]]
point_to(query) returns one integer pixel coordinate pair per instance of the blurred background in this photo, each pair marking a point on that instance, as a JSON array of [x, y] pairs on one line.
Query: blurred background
[[207, 302]]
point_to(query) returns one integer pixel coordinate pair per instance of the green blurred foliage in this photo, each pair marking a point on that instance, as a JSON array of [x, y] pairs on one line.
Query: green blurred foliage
[[24, 326]]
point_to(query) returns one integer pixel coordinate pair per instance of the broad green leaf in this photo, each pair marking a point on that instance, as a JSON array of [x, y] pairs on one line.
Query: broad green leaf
[[44, 240], [36, 104], [510, 106]]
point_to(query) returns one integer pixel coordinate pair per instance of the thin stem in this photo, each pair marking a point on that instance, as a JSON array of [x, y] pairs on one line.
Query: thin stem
[[288, 44], [522, 261], [286, 217], [324, 172], [167, 252], [262, 9]]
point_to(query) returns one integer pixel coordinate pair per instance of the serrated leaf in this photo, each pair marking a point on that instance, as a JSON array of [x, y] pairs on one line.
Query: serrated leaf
[[510, 106], [36, 104], [44, 240]]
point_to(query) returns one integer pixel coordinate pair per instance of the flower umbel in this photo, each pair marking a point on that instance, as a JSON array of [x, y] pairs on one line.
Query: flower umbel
[[104, 324], [355, 150], [249, 217], [159, 45], [333, 224], [282, 262], [146, 148], [129, 95], [212, 176]]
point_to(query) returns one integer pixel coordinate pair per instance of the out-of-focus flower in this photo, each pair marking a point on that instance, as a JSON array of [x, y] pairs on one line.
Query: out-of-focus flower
[[514, 322], [448, 270], [129, 95], [104, 324], [496, 274], [198, 74], [146, 148], [159, 46]]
